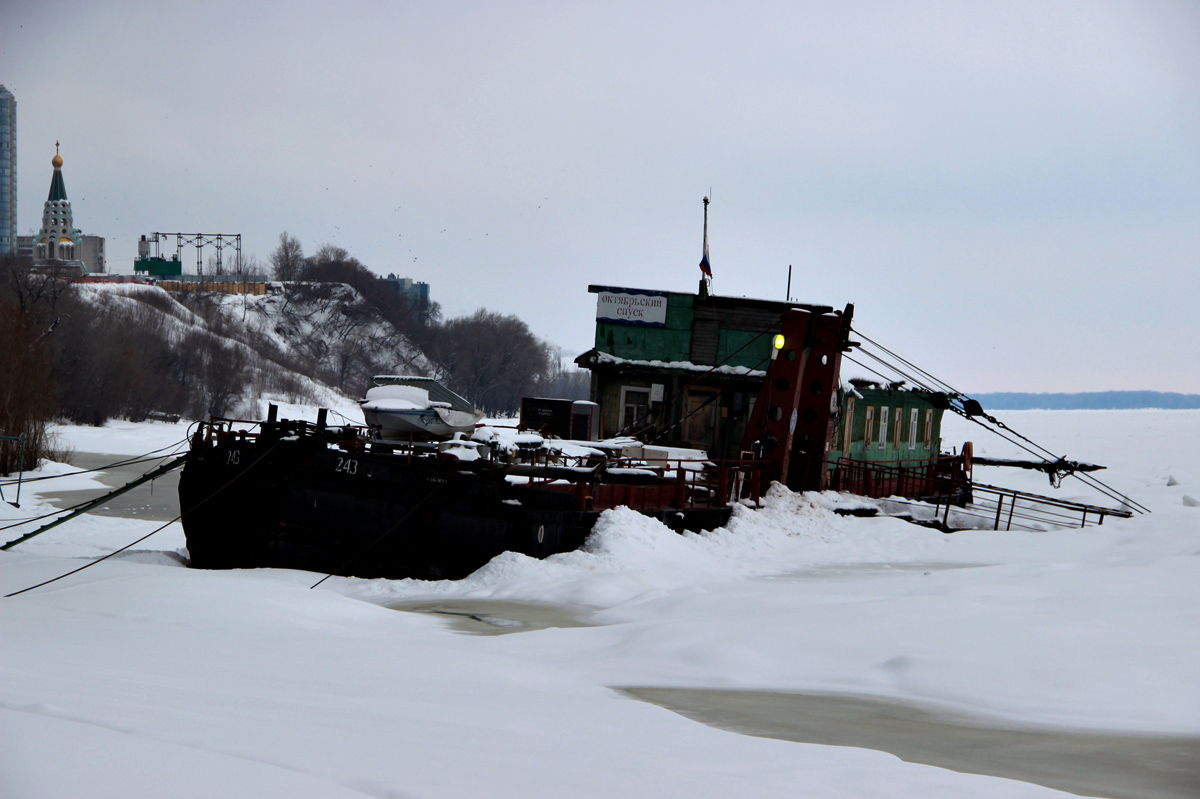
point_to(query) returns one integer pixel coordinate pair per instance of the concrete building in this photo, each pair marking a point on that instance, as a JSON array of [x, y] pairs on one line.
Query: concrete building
[[8, 171], [92, 254], [416, 292]]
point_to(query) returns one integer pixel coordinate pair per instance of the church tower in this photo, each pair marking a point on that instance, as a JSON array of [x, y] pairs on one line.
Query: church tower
[[58, 240]]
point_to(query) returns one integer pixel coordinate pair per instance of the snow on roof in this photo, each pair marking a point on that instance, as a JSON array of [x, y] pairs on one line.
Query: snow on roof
[[686, 366]]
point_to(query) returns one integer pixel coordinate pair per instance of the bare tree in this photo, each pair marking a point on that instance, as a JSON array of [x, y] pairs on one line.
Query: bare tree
[[29, 316], [492, 360], [287, 260]]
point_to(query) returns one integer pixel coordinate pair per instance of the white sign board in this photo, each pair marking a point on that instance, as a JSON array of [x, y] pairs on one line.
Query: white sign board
[[631, 307]]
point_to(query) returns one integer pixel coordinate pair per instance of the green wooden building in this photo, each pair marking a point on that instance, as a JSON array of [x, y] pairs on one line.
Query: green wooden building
[[886, 422], [680, 369], [685, 370]]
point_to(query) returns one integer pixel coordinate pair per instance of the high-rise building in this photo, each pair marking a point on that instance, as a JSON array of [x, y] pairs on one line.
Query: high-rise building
[[8, 171], [414, 291]]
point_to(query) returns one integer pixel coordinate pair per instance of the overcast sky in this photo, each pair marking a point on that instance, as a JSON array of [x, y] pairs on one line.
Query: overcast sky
[[1008, 192]]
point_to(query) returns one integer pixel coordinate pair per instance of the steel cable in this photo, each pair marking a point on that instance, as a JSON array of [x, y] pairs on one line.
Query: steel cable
[[1039, 451], [152, 532]]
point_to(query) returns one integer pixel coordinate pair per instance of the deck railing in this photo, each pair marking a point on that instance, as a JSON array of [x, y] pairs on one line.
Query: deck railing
[[941, 485], [946, 484]]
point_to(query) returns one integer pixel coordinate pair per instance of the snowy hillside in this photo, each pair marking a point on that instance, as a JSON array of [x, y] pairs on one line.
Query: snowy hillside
[[326, 323], [300, 343]]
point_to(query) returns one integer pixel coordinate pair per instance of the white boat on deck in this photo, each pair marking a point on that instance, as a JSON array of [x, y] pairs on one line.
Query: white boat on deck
[[399, 407]]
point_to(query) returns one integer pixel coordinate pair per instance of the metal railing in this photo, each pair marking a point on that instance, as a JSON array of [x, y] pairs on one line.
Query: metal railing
[[1038, 509], [946, 484]]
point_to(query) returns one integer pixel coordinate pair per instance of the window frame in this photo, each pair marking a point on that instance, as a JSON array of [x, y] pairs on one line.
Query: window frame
[[625, 391], [848, 421]]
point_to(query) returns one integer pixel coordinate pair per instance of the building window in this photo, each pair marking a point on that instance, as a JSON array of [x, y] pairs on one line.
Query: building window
[[848, 424], [867, 428], [929, 429], [912, 428], [635, 408], [896, 433], [700, 420], [883, 427]]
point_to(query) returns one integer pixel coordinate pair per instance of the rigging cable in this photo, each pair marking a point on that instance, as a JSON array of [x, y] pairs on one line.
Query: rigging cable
[[916, 381], [945, 386], [868, 368], [26, 520], [130, 461], [1039, 451]]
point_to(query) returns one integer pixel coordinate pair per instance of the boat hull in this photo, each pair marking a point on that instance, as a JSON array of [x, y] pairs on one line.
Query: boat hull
[[298, 504], [422, 424]]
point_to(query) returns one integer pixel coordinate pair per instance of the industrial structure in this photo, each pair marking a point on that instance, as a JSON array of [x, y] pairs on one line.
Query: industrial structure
[[226, 266]]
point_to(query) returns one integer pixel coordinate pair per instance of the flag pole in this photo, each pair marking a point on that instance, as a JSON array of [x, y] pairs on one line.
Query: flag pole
[[705, 267]]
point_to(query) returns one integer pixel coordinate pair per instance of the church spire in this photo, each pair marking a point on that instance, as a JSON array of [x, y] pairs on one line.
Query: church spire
[[58, 189], [58, 240]]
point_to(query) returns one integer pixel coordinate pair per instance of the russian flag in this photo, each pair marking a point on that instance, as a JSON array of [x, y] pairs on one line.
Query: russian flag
[[704, 267]]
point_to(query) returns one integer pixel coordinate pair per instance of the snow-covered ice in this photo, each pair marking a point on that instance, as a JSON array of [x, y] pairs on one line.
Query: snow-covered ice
[[142, 678]]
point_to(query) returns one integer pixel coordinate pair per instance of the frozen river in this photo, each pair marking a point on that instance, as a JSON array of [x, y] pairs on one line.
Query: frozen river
[[793, 653], [1090, 763], [157, 500]]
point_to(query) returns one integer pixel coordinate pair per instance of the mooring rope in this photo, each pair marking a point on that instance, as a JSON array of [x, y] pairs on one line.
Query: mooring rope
[[20, 522], [235, 478], [130, 461]]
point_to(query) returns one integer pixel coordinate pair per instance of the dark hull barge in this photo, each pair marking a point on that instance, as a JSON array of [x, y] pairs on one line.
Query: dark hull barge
[[291, 494], [350, 501]]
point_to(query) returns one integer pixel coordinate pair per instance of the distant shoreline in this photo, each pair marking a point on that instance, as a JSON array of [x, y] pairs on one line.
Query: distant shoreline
[[1089, 400]]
